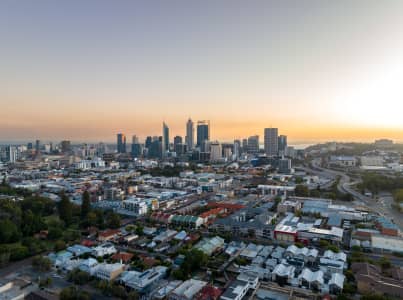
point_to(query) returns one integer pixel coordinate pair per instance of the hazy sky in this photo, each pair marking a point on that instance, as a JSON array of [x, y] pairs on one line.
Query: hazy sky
[[318, 70]]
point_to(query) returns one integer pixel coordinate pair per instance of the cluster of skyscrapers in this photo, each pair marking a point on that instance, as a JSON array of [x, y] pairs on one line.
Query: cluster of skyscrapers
[[199, 146]]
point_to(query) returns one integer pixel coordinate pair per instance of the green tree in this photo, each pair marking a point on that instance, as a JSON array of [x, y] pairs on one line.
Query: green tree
[[59, 245], [73, 293], [65, 209], [314, 194], [113, 220], [385, 263], [19, 252], [85, 204], [78, 277], [91, 219], [45, 282], [301, 191], [399, 195], [31, 223], [299, 180], [55, 233], [133, 295], [41, 263], [139, 230], [9, 232], [333, 248]]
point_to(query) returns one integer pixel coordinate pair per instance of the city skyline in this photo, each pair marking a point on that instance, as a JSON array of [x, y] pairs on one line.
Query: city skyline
[[74, 72]]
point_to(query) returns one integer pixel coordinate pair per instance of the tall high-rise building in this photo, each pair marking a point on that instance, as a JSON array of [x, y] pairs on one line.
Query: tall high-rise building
[[148, 141], [253, 144], [135, 139], [215, 151], [137, 149], [237, 148], [244, 145], [165, 138], [177, 140], [121, 143], [179, 146], [37, 146], [65, 146], [11, 154], [271, 141], [282, 145], [203, 132], [155, 150], [190, 134]]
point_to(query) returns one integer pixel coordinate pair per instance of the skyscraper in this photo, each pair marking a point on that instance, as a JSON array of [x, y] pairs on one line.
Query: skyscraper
[[121, 143], [177, 140], [190, 134], [148, 142], [136, 147], [253, 144], [65, 146], [37, 146], [237, 148], [165, 138], [282, 145], [271, 141], [215, 151], [203, 132], [179, 147]]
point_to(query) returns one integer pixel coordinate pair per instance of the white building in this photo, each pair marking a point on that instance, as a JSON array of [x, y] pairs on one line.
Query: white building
[[108, 271], [136, 205], [239, 287], [215, 151], [343, 161], [141, 281], [104, 249], [187, 290], [88, 265]]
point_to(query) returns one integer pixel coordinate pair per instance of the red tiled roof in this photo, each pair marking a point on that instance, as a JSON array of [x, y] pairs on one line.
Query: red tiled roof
[[209, 292], [109, 232], [123, 256]]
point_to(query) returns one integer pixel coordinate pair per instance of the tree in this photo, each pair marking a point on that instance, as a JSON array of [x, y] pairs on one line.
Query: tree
[[91, 219], [314, 194], [9, 232], [399, 196], [78, 277], [113, 220], [333, 248], [139, 230], [45, 282], [59, 245], [19, 252], [65, 209], [41, 263], [384, 262], [85, 204], [133, 295], [31, 223], [55, 233], [73, 293], [118, 291], [301, 191], [299, 180]]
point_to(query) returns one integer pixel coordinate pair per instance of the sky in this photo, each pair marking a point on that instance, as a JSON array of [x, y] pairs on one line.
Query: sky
[[317, 69]]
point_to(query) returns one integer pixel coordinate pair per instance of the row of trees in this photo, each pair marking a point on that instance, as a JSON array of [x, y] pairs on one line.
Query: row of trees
[[20, 221], [376, 183], [194, 260]]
